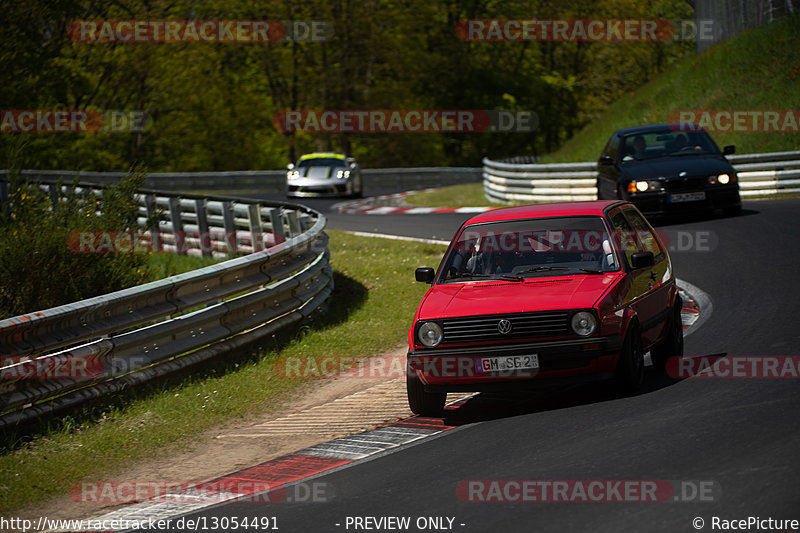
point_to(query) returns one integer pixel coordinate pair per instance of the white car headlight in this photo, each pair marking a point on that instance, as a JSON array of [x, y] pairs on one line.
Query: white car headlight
[[430, 334], [722, 179], [583, 323]]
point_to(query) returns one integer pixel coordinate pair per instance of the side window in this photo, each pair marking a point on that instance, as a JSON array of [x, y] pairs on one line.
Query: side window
[[624, 234], [647, 240], [611, 147]]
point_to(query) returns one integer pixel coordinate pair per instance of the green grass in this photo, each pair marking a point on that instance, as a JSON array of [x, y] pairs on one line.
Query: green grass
[[372, 307], [757, 70], [467, 195], [164, 264]]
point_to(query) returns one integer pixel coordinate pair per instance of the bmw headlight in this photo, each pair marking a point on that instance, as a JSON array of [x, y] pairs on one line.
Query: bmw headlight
[[722, 179], [583, 323], [430, 334], [645, 185]]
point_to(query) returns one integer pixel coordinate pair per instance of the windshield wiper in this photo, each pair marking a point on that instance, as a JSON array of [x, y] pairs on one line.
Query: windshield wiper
[[499, 276], [547, 268], [688, 152]]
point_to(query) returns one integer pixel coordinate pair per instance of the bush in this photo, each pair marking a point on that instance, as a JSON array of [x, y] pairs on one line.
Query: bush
[[38, 270]]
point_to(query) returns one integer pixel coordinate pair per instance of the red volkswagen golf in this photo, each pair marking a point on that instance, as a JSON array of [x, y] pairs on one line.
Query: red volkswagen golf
[[544, 293]]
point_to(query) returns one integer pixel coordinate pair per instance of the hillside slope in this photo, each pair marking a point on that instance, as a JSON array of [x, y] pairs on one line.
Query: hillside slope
[[757, 70]]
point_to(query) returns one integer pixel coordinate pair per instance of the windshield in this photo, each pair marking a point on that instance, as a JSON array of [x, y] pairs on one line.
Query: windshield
[[320, 162], [524, 248], [666, 143]]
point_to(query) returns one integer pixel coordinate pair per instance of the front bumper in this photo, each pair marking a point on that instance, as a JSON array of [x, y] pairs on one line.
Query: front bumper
[[328, 187], [655, 203], [457, 369]]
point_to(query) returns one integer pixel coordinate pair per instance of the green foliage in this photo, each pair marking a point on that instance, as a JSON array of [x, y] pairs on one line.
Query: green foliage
[[212, 105], [757, 70], [39, 270]]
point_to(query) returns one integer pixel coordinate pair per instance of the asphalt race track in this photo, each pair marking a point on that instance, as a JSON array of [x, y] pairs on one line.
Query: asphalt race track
[[739, 436]]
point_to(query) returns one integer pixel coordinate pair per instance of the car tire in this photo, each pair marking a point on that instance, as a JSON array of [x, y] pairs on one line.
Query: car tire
[[630, 367], [672, 345], [422, 402]]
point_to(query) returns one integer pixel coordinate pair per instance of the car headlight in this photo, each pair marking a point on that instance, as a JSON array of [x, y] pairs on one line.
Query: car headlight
[[342, 174], [583, 323], [722, 179], [644, 185], [430, 334]]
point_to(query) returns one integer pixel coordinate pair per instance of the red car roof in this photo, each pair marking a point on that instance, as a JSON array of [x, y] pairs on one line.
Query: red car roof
[[594, 207]]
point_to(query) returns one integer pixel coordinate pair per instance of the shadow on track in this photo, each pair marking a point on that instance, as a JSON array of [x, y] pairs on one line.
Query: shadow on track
[[491, 406]]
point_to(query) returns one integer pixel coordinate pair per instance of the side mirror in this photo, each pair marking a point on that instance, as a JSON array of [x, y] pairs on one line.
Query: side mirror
[[426, 274], [728, 150], [353, 164], [290, 166], [605, 160], [642, 260]]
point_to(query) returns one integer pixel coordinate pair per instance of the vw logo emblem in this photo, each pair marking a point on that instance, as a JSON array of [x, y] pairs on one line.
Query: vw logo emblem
[[504, 326]]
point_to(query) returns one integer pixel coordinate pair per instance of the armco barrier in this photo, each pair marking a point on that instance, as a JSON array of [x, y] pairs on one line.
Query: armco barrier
[[378, 179], [62, 357], [759, 175]]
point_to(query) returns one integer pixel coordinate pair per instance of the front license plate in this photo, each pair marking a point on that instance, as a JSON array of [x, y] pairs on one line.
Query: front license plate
[[687, 197], [509, 362]]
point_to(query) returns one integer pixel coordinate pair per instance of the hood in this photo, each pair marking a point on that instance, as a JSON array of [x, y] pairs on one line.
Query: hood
[[671, 167], [319, 173], [533, 294]]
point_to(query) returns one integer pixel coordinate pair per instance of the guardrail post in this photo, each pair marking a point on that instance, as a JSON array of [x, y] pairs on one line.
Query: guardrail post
[[256, 229], [152, 214], [230, 227], [53, 190], [276, 219], [305, 222], [200, 208], [294, 223], [177, 224], [3, 193]]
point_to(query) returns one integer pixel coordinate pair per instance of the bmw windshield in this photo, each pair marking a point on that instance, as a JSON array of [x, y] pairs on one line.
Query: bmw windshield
[[666, 143]]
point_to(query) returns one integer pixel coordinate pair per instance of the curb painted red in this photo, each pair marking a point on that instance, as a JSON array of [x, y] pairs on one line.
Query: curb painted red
[[376, 206]]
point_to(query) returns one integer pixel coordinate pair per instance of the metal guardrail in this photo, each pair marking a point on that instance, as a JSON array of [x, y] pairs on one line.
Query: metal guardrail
[[270, 180], [62, 357], [773, 173]]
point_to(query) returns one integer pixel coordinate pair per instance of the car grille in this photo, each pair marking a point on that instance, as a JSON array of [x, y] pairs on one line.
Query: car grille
[[523, 325], [685, 184]]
